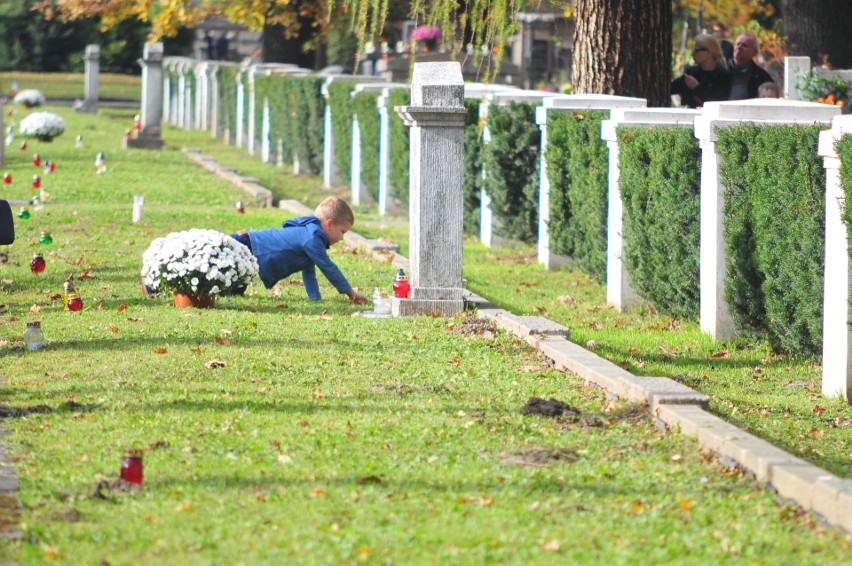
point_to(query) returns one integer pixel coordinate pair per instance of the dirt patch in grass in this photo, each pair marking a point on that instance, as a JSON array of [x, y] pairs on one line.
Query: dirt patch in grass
[[537, 456], [400, 389], [480, 327], [549, 408]]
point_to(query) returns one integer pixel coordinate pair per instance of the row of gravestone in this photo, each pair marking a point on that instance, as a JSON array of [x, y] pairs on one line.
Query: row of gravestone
[[715, 317]]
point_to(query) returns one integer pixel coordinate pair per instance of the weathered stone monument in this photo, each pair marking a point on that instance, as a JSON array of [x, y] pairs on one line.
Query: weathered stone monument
[[93, 68], [152, 99], [436, 118]]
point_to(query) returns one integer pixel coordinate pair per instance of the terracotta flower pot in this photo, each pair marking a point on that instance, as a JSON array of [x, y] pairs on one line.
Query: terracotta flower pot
[[186, 301]]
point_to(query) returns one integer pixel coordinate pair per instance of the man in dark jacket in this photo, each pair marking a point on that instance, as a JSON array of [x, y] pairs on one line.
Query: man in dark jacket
[[746, 75]]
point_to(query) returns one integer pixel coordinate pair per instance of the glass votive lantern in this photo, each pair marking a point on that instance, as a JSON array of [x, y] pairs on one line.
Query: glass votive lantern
[[36, 160], [381, 302], [23, 214], [401, 287], [7, 178], [33, 336], [45, 238], [37, 263], [131, 466], [75, 303], [36, 181]]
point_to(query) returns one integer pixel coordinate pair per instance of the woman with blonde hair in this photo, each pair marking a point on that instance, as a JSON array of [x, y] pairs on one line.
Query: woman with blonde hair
[[709, 79]]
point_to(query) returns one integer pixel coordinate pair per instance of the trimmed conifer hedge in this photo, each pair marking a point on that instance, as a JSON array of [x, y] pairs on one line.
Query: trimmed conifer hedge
[[364, 106], [227, 87], [660, 185], [578, 166], [774, 229], [399, 145], [511, 164], [340, 101], [472, 167]]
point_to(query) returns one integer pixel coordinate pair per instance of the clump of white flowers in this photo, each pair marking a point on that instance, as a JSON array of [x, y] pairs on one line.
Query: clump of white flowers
[[29, 98], [198, 263], [43, 125]]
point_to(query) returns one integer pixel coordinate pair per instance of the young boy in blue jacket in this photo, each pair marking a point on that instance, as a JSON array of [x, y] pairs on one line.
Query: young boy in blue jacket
[[300, 245]]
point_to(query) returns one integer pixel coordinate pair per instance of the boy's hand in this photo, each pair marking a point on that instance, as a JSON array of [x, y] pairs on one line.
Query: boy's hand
[[356, 297]]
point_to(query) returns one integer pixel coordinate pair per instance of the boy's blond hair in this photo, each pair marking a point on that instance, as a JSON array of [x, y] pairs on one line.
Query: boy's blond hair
[[336, 209]]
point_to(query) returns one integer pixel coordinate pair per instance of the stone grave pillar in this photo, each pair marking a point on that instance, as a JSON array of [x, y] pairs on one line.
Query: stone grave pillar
[[92, 61], [240, 110], [252, 108], [384, 150], [215, 121], [436, 117], [619, 293], [152, 99], [265, 128], [202, 96], [836, 337], [167, 92], [715, 315], [795, 68]]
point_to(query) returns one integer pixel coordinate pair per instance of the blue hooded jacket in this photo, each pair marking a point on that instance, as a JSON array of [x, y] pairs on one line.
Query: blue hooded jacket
[[299, 245]]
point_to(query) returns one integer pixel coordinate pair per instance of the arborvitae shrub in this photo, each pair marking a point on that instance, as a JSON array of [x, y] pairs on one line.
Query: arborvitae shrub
[[577, 165], [511, 163], [340, 101], [844, 152], [774, 227], [472, 167], [227, 84], [660, 185], [364, 105], [399, 145]]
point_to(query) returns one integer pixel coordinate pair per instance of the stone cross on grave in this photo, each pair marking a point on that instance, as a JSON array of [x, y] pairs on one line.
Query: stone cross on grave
[[436, 117]]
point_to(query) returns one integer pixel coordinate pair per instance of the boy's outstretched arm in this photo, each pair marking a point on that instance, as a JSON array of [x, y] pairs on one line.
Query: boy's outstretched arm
[[356, 297]]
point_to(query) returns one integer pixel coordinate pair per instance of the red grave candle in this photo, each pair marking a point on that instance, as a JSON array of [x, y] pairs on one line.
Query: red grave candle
[[131, 466], [37, 263], [401, 287], [36, 159]]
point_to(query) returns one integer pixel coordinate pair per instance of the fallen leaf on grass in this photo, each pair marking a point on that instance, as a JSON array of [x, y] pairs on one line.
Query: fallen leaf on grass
[[720, 355], [565, 299], [183, 507], [818, 409], [817, 432], [224, 341], [135, 318], [284, 459], [552, 545], [85, 275], [122, 308], [684, 505], [214, 364], [317, 492], [161, 351], [317, 393], [539, 310], [35, 308], [112, 328]]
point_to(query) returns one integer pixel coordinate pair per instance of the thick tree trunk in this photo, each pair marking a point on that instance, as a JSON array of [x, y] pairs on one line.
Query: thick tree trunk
[[818, 29], [623, 47]]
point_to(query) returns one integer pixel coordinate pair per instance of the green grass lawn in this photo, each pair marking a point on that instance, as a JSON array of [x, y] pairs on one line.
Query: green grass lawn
[[774, 396], [72, 85], [326, 437]]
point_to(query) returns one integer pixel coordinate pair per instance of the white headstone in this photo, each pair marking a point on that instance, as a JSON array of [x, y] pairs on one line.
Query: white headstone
[[148, 136], [92, 61], [836, 337]]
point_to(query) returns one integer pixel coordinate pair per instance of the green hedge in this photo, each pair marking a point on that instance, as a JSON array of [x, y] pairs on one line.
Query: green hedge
[[340, 101], [511, 163], [774, 228], [399, 144], [660, 185], [364, 105], [227, 87], [844, 152], [472, 167], [296, 114], [577, 165]]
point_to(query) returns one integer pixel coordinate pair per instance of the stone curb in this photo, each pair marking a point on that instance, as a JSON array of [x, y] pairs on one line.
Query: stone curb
[[258, 194], [674, 404]]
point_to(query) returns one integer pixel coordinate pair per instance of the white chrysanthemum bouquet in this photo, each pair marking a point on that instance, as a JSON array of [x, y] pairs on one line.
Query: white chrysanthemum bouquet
[[43, 125], [197, 263], [29, 98]]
